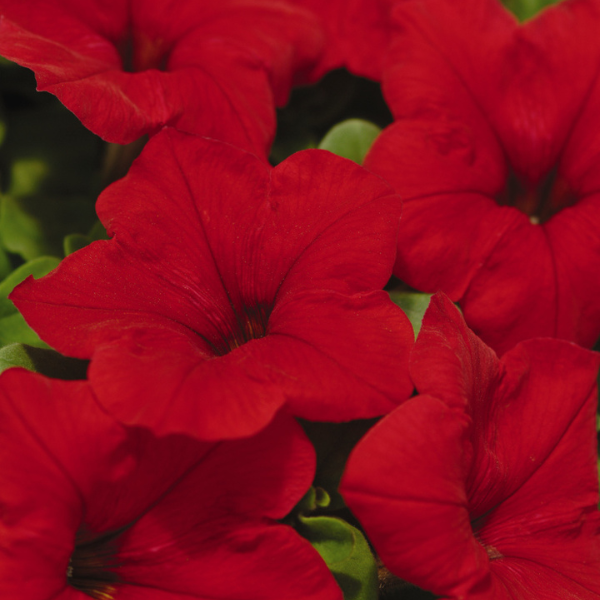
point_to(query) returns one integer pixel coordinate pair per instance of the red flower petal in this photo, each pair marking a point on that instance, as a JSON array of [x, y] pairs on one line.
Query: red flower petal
[[340, 379], [405, 483], [501, 474], [486, 113], [466, 367], [210, 255], [204, 61], [345, 22], [196, 519], [160, 379], [501, 74]]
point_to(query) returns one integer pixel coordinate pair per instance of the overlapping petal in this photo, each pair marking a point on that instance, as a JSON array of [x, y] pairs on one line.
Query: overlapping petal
[[127, 68], [510, 145], [346, 22], [186, 518], [223, 270], [485, 486]]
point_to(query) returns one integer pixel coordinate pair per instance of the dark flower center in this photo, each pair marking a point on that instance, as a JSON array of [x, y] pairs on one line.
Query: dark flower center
[[250, 325], [476, 526], [540, 200], [92, 564], [140, 53]]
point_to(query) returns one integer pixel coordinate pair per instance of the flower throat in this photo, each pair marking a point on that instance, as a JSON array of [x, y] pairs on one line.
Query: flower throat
[[541, 200], [90, 568], [250, 325]]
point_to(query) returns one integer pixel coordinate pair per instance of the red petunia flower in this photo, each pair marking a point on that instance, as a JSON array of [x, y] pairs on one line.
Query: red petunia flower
[[495, 154], [90, 508], [128, 67], [485, 485], [230, 288]]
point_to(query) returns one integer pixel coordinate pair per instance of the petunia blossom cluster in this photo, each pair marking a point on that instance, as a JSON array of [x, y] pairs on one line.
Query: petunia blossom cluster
[[270, 370]]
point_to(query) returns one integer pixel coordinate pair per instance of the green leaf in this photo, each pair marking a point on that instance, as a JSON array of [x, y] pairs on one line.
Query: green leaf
[[526, 9], [414, 305], [40, 360], [77, 241], [333, 443], [5, 264], [315, 498], [74, 242], [15, 355], [21, 233], [13, 327], [347, 554], [98, 232], [350, 139], [50, 177]]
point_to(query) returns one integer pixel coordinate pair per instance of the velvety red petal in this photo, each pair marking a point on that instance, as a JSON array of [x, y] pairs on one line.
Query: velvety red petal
[[448, 361], [464, 231], [345, 22], [108, 18], [126, 105], [331, 218], [515, 280], [431, 62], [463, 159], [540, 282], [83, 54], [539, 486], [233, 61], [517, 579], [581, 154], [159, 379], [172, 229], [447, 174], [573, 236], [495, 93], [309, 358], [500, 72], [543, 385], [517, 294], [533, 114], [337, 357], [217, 236], [197, 246], [220, 486], [193, 511], [45, 482], [286, 39], [224, 545], [249, 561], [531, 500], [405, 483]]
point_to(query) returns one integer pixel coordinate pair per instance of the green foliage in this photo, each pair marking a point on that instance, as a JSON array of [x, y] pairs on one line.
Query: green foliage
[[74, 242], [333, 443], [77, 241], [526, 9], [49, 169], [313, 110], [13, 327], [15, 355], [350, 139], [314, 499], [5, 264], [347, 554], [40, 360], [414, 304]]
